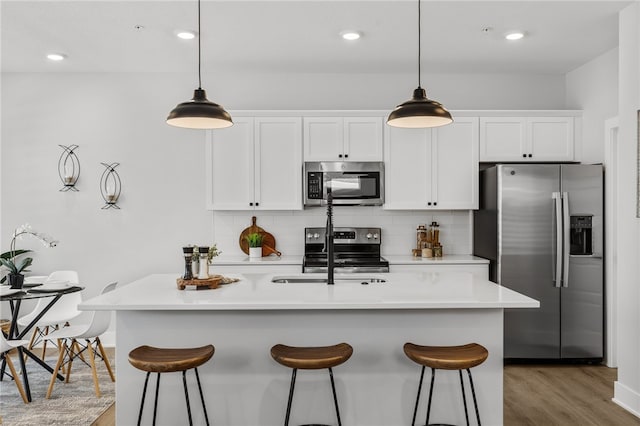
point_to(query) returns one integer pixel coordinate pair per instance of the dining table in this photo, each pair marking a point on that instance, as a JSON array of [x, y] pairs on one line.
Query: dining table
[[15, 297]]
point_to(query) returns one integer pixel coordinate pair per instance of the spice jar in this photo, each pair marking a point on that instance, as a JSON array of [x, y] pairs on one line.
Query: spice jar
[[203, 271], [421, 236], [188, 254]]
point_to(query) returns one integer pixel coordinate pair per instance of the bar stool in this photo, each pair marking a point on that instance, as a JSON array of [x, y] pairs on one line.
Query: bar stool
[[311, 358], [458, 358], [165, 360]]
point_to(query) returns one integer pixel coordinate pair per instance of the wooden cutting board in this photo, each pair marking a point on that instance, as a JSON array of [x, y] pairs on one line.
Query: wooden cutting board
[[268, 240]]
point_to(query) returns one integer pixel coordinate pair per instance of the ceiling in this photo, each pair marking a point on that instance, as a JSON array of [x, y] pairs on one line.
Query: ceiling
[[303, 36]]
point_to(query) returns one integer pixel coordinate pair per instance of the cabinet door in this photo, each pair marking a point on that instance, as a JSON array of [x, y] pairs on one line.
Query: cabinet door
[[323, 139], [550, 138], [502, 139], [231, 166], [455, 165], [363, 138], [407, 171], [278, 169]]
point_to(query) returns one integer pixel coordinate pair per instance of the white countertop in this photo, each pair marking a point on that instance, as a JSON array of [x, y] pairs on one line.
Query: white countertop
[[448, 290], [267, 260], [453, 259]]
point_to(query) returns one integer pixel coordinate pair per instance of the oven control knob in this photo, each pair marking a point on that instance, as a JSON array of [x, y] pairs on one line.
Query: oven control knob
[[309, 236], [369, 236], [376, 236], [316, 235]]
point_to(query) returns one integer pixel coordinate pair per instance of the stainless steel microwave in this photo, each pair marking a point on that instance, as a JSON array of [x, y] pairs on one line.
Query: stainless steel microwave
[[352, 183]]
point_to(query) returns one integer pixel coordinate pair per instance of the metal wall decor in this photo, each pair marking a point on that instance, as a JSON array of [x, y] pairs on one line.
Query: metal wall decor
[[68, 168], [110, 185]]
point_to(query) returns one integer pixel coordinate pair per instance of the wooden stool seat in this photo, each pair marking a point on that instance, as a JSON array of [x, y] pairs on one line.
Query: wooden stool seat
[[447, 357], [170, 360], [312, 358], [167, 360], [463, 357]]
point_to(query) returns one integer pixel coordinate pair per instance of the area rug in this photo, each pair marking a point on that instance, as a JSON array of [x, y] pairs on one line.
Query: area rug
[[71, 404]]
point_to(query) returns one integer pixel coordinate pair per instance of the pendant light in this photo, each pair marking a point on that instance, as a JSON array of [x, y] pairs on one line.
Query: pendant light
[[199, 112], [419, 111]]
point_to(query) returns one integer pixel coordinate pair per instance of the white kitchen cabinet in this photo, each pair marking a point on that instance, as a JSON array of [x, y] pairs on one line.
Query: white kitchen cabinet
[[432, 168], [342, 139], [527, 139], [256, 165]]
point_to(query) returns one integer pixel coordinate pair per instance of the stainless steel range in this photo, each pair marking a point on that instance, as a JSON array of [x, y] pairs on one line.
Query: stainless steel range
[[356, 250]]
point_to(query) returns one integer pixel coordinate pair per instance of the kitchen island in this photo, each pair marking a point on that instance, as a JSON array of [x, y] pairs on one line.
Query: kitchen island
[[377, 386]]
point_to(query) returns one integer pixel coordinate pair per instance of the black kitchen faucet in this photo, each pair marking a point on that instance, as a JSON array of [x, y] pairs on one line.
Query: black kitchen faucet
[[328, 242]]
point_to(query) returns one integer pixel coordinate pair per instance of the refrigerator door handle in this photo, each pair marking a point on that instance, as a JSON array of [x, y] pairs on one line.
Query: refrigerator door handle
[[557, 271], [566, 239]]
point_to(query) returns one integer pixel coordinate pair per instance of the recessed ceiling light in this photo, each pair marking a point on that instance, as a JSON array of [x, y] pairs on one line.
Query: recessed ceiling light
[[514, 35], [186, 35], [351, 35], [56, 56]]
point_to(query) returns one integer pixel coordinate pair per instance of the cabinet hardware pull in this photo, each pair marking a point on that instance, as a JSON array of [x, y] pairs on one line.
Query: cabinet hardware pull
[[346, 156], [530, 155], [429, 203], [251, 204], [524, 155], [339, 155]]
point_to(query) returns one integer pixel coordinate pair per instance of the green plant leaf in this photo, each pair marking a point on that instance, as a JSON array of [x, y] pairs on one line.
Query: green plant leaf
[[9, 254], [9, 265], [24, 264]]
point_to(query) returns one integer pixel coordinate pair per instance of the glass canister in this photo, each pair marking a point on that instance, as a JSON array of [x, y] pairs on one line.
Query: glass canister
[[421, 236]]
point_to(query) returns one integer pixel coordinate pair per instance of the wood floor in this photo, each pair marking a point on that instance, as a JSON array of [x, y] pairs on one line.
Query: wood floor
[[549, 395]]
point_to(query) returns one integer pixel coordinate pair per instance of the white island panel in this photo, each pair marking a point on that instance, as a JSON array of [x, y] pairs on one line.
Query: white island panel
[[377, 386]]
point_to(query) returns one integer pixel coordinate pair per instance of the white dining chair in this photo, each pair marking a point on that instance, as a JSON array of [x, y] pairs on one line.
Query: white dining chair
[[5, 347], [71, 345], [63, 311]]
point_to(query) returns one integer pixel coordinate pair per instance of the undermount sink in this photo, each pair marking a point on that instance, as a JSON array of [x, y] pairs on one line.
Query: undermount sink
[[298, 279]]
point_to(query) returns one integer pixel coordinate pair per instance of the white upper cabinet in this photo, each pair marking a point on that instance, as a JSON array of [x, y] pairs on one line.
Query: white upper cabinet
[[432, 168], [528, 139], [256, 165], [342, 139]]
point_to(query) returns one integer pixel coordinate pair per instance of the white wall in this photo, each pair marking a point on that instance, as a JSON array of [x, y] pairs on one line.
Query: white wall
[[593, 88], [627, 388], [398, 228]]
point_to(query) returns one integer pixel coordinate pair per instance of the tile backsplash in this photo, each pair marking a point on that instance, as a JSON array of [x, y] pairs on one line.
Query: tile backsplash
[[398, 227]]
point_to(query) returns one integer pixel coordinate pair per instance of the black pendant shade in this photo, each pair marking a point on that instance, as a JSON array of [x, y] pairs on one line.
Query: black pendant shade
[[419, 112], [199, 113]]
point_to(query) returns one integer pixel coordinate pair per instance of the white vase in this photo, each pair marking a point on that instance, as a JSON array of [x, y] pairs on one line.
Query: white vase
[[255, 252]]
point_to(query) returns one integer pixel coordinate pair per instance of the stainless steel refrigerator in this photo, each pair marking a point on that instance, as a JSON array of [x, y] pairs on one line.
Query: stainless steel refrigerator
[[541, 227]]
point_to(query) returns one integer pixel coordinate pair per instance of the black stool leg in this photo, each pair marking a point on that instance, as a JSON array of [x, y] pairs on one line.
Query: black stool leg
[[473, 392], [433, 377], [464, 398], [186, 395], [155, 404], [206, 418], [415, 410], [293, 383], [335, 398], [144, 393]]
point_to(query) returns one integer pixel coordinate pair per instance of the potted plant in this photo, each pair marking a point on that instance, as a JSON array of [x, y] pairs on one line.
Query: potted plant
[[9, 259], [255, 245], [16, 279]]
